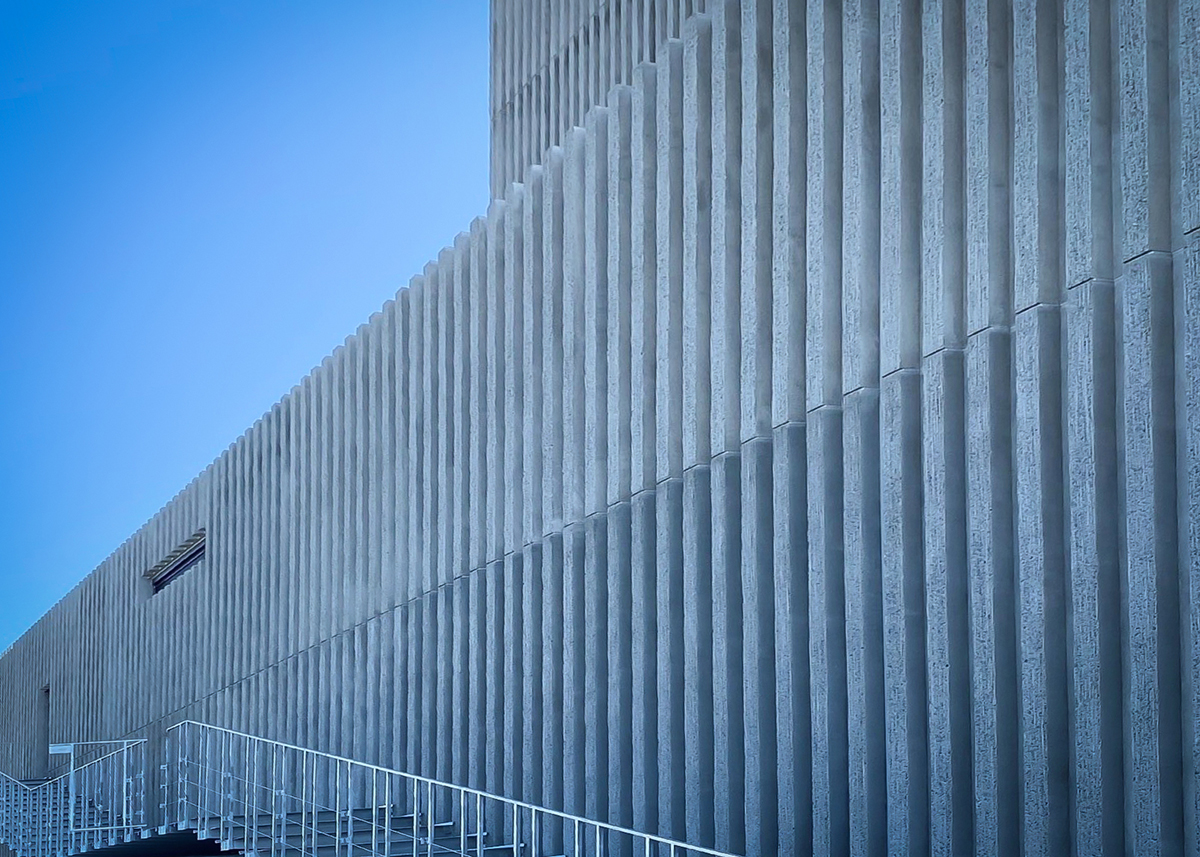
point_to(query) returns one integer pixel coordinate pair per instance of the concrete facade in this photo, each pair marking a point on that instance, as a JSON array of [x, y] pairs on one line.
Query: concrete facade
[[553, 61], [804, 457]]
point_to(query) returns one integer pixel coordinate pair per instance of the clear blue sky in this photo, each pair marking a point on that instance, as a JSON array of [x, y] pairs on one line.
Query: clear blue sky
[[198, 201]]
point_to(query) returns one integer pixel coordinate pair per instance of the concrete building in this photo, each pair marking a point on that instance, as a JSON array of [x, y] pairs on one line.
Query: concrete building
[[802, 457]]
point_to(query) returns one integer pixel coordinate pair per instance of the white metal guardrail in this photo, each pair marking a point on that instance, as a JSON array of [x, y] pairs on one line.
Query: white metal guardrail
[[265, 797], [93, 805]]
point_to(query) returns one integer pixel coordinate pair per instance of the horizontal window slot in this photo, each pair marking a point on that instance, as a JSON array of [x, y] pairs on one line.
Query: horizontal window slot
[[180, 560]]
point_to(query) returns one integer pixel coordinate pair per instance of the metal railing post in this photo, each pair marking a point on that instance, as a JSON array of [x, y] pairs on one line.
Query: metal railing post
[[416, 815]]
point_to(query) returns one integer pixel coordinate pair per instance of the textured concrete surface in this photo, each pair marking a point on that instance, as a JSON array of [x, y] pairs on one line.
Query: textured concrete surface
[[802, 457]]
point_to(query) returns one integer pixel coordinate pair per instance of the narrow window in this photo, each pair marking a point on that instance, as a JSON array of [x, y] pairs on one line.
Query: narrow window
[[185, 557]]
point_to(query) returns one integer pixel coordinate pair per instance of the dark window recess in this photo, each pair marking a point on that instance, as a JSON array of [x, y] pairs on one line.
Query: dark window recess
[[183, 558]]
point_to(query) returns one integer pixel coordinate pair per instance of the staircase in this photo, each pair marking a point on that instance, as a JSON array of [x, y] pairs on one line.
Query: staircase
[[225, 792], [96, 805], [264, 797]]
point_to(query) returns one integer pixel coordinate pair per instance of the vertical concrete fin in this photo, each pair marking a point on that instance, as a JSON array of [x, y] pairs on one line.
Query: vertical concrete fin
[[495, 389], [697, 505], [669, 264], [944, 430], [477, 487], [595, 299], [789, 137], [726, 266], [574, 384], [1145, 384], [514, 369], [697, 242], [620, 296], [1038, 420], [533, 292], [644, 280], [552, 344]]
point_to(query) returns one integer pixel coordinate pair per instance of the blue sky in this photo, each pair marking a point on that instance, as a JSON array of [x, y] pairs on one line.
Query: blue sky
[[198, 201]]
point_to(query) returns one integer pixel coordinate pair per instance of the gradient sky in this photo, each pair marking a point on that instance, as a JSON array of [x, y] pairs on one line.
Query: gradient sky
[[199, 201]]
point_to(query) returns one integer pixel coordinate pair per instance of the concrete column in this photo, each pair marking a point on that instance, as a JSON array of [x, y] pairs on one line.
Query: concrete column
[[514, 359], [990, 549], [643, 466], [1187, 349], [1038, 419], [756, 412], [400, 350], [669, 424], [371, 504], [789, 175], [943, 422], [573, 458], [574, 681], [461, 411], [552, 481], [552, 344], [415, 625], [533, 347], [1153, 730], [478, 453], [447, 426], [512, 689], [533, 285], [460, 706], [619, 422], [901, 481], [495, 389], [400, 693], [513, 320], [1188, 371], [416, 450], [359, 658], [495, 747], [860, 370], [387, 688], [430, 492], [697, 431], [725, 411], [573, 327], [827, 599], [358, 518], [595, 368], [387, 383]]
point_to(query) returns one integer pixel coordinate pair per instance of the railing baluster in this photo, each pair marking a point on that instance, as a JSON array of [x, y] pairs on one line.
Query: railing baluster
[[349, 809], [416, 818], [462, 821], [247, 802], [387, 815], [478, 824], [274, 798], [312, 812], [429, 810], [374, 816]]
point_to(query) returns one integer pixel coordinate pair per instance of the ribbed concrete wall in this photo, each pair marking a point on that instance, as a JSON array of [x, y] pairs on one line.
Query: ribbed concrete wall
[[553, 60], [806, 456]]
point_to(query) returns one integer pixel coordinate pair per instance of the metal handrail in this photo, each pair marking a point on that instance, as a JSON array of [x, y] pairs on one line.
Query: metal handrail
[[93, 805], [234, 804]]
